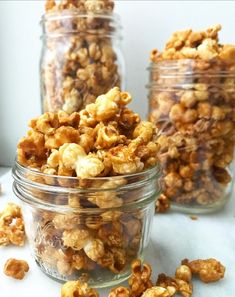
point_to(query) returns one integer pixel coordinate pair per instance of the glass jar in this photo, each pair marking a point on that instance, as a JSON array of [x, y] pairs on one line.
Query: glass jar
[[81, 59], [192, 104], [92, 228]]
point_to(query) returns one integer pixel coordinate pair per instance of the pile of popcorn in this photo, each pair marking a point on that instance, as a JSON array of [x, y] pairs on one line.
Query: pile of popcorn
[[79, 61], [192, 92], [106, 139], [140, 283]]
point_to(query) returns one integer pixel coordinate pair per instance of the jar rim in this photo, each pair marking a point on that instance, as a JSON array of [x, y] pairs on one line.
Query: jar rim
[[67, 13], [114, 19], [169, 65], [21, 182]]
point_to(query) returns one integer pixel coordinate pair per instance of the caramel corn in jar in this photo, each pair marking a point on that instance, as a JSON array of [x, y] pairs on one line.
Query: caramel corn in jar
[[88, 183], [81, 54], [191, 101]]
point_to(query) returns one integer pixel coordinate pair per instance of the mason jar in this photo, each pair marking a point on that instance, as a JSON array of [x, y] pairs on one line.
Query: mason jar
[[81, 59], [92, 228], [192, 104]]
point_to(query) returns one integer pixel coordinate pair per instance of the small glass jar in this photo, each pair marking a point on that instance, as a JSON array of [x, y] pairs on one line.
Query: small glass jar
[[81, 59], [91, 228], [192, 103]]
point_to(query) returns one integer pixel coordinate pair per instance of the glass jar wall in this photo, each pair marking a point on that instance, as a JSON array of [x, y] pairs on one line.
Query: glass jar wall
[[192, 103], [81, 58], [71, 231]]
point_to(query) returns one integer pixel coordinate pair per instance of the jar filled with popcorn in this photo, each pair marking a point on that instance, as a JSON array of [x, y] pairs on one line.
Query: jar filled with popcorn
[[81, 55], [89, 182], [192, 102]]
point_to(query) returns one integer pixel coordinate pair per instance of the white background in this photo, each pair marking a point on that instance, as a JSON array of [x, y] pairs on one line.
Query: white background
[[147, 24]]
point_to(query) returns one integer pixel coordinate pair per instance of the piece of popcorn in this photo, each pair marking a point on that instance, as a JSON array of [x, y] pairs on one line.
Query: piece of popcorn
[[183, 272], [120, 292], [209, 270], [156, 292], [108, 136], [77, 288], [76, 238], [94, 249], [11, 226], [73, 156], [16, 268], [73, 102]]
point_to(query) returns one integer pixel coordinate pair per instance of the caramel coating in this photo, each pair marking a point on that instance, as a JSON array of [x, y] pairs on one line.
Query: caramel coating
[[209, 270], [77, 288], [104, 140], [11, 226], [194, 112], [156, 292], [140, 280], [16, 268], [80, 66]]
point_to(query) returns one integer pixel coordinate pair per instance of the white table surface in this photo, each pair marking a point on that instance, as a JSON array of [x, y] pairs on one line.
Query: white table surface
[[174, 237]]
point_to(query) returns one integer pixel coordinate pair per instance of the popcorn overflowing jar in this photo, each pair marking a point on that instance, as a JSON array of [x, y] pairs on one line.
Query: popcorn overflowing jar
[[192, 102], [88, 182], [81, 54]]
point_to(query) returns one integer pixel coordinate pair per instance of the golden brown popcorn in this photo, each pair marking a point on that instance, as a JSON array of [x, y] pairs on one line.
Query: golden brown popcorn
[[108, 136], [184, 288], [140, 281], [62, 135], [196, 112], [124, 160], [156, 292], [11, 226], [112, 234], [177, 284], [31, 150], [162, 204], [64, 261], [76, 238], [183, 272], [66, 221], [77, 288], [16, 268], [73, 156], [119, 292], [128, 120], [209, 270], [168, 283], [94, 249], [71, 242], [47, 123]]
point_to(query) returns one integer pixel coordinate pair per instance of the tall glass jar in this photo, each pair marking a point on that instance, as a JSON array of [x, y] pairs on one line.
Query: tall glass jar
[[91, 228], [192, 102], [81, 59]]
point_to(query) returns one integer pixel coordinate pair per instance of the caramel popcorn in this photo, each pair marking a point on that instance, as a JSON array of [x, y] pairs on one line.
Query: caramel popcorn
[[92, 142], [76, 238], [209, 270], [90, 156], [119, 292], [140, 278], [11, 226], [194, 116], [162, 204], [77, 288], [141, 284], [16, 268], [83, 64]]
